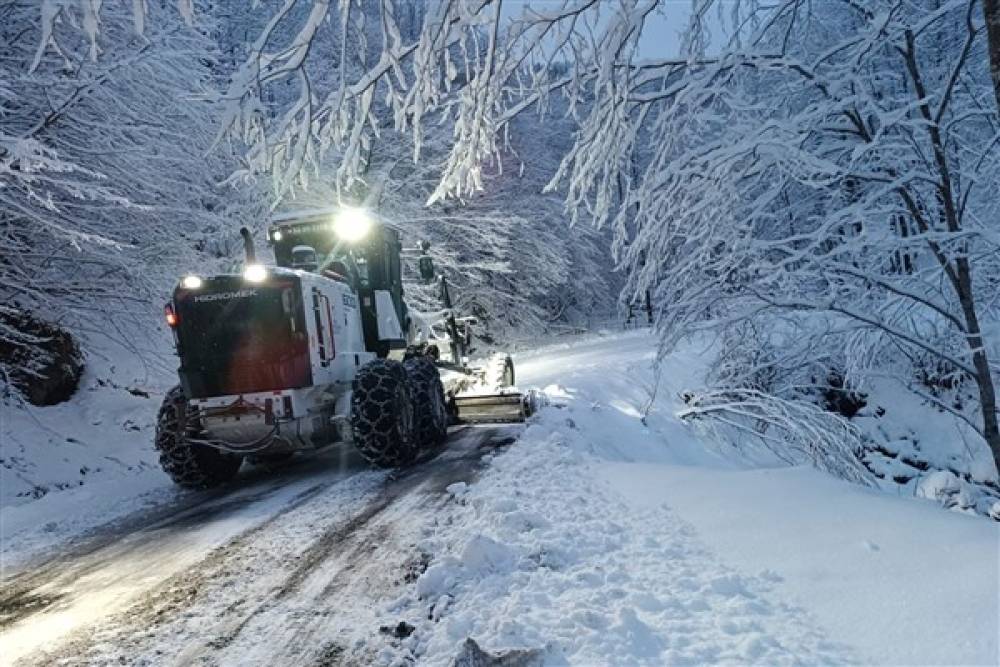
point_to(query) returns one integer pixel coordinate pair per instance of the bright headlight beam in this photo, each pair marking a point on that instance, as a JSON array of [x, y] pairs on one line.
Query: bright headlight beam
[[352, 224], [191, 282], [255, 273]]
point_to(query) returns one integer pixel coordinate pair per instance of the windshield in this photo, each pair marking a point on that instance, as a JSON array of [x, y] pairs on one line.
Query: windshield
[[235, 339]]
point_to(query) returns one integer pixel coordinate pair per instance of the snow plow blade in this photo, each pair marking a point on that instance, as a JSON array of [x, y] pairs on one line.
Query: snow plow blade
[[510, 408]]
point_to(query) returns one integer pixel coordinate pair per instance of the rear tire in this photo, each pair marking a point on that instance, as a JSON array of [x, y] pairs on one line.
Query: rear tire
[[429, 402], [382, 414], [190, 465]]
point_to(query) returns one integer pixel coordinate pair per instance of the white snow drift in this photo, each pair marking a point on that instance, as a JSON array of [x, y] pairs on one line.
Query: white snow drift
[[599, 539]]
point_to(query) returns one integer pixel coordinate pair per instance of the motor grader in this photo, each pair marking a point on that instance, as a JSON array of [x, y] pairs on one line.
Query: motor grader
[[320, 349]]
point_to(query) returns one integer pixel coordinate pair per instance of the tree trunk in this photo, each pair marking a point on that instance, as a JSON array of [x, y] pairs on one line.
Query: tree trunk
[[987, 390], [991, 11], [980, 362], [960, 274], [988, 399]]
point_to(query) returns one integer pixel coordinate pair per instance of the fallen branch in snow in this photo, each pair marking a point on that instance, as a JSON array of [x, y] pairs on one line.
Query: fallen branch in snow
[[794, 431]]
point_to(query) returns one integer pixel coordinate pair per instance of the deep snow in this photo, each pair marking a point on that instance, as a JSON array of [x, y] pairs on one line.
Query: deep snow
[[70, 467], [600, 539]]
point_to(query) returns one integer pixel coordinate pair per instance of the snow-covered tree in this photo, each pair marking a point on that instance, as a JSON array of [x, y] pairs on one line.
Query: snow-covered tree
[[506, 249], [991, 12], [105, 187], [504, 245], [457, 63], [827, 177], [834, 183]]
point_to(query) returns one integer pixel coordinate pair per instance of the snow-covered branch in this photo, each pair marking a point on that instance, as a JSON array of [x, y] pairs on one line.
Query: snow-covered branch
[[796, 432]]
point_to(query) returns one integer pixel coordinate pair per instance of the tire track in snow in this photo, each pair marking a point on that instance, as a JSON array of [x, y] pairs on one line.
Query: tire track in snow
[[223, 580], [250, 486], [348, 567], [111, 567], [84, 552], [271, 572], [120, 577], [22, 594]]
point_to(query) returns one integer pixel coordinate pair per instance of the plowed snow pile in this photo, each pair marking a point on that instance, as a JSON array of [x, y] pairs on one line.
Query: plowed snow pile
[[603, 538]]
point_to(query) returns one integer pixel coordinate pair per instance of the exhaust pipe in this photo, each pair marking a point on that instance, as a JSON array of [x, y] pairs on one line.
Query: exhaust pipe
[[248, 245]]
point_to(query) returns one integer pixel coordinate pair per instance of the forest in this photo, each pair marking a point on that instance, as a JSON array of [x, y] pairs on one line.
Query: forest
[[810, 183], [499, 332]]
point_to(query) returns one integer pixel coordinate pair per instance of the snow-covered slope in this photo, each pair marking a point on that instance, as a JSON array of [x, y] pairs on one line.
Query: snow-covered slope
[[598, 538], [69, 467]]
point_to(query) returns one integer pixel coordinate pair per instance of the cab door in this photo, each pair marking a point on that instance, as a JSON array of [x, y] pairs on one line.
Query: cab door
[[322, 319]]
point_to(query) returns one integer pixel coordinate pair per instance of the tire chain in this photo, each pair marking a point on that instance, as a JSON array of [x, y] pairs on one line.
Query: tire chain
[[430, 408], [377, 430], [189, 465]]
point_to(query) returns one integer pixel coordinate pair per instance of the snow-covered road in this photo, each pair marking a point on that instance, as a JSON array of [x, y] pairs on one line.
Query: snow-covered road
[[608, 533], [279, 571]]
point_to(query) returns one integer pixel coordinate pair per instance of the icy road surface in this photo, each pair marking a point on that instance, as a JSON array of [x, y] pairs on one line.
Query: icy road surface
[[607, 533], [279, 568]]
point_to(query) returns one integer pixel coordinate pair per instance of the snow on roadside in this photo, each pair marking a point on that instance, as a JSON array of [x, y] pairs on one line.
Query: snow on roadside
[[609, 533], [70, 467], [540, 555], [903, 581], [104, 432]]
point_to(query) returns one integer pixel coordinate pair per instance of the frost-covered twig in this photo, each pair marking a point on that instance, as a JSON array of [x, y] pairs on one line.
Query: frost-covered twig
[[795, 431]]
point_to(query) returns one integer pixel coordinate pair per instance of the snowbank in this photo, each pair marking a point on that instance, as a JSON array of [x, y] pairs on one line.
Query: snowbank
[[72, 466], [543, 555], [904, 582], [609, 534]]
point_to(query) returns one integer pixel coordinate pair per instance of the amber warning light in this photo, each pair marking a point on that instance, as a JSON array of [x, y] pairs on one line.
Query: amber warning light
[[168, 312]]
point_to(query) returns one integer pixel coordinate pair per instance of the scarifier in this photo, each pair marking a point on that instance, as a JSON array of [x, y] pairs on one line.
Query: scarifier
[[321, 349]]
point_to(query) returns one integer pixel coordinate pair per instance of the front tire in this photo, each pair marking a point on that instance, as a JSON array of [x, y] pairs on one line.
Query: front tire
[[382, 414], [428, 401], [190, 465]]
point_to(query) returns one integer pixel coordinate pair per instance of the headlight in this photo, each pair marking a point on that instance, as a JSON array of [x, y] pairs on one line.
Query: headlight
[[352, 224], [255, 273], [276, 236], [191, 282]]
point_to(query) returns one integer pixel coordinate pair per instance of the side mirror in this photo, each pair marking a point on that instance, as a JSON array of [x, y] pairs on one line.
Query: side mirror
[[427, 272]]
